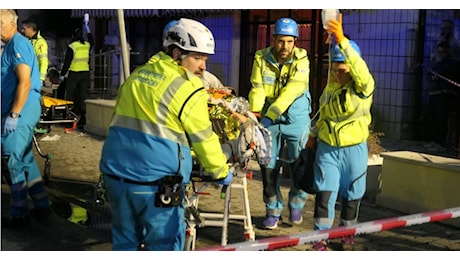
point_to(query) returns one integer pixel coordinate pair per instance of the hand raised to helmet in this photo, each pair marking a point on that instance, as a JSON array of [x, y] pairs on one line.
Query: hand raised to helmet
[[335, 26]]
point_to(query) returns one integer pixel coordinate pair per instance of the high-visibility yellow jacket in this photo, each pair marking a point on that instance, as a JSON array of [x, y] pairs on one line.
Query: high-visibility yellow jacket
[[161, 114], [41, 50], [280, 86], [80, 61], [345, 110]]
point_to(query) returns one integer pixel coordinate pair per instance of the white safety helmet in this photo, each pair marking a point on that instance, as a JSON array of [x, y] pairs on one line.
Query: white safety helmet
[[190, 35], [167, 27]]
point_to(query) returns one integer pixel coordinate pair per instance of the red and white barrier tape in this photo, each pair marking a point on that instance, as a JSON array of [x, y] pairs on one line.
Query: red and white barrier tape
[[360, 228]]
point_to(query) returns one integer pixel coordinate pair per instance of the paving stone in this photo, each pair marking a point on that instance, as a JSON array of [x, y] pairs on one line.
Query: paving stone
[[75, 159]]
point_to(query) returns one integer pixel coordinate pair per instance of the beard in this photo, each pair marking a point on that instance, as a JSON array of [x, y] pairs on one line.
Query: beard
[[283, 55]]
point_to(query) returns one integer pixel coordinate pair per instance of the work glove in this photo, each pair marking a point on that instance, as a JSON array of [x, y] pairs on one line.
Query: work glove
[[10, 125], [266, 122], [335, 27], [227, 180], [86, 27]]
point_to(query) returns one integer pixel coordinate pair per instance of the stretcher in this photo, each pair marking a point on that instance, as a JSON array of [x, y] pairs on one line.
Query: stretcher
[[92, 202], [198, 219], [236, 127], [53, 112], [56, 111]]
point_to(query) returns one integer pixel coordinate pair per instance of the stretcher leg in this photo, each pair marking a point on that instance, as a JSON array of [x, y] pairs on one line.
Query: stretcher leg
[[197, 219], [249, 233]]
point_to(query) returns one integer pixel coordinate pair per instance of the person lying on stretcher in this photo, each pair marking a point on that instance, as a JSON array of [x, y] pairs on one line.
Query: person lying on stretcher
[[241, 135]]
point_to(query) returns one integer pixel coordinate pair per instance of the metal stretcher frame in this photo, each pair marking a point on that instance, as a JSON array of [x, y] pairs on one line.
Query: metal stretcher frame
[[197, 219], [55, 111], [59, 112], [99, 191]]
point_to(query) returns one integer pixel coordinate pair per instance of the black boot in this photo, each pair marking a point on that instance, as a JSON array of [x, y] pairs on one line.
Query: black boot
[[269, 177]]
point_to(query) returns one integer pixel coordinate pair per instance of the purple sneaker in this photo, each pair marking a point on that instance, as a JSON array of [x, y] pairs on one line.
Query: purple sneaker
[[296, 216], [271, 222], [320, 246]]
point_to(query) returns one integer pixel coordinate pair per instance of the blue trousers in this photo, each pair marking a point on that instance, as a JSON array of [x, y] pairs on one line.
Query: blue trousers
[[339, 172], [136, 219], [291, 129], [23, 169]]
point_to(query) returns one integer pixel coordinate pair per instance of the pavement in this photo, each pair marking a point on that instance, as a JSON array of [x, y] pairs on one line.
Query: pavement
[[74, 175]]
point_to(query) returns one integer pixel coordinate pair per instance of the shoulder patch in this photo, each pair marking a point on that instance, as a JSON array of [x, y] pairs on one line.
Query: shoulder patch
[[302, 70]]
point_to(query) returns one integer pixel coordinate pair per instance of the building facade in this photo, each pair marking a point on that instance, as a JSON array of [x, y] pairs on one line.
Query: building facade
[[395, 43]]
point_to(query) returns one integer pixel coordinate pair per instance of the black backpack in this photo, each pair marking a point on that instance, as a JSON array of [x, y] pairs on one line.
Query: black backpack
[[302, 169]]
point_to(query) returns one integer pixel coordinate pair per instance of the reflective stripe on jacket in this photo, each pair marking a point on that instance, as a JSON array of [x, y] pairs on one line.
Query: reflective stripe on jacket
[[161, 109], [41, 50], [80, 61], [345, 110], [280, 86]]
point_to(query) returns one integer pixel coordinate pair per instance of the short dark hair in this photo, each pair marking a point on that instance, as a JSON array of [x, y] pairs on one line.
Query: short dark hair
[[31, 23], [77, 35]]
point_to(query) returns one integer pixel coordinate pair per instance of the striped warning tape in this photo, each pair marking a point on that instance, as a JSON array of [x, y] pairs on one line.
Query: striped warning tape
[[361, 228]]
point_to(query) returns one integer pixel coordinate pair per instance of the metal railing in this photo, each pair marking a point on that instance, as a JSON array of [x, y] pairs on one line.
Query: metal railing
[[106, 73], [102, 75]]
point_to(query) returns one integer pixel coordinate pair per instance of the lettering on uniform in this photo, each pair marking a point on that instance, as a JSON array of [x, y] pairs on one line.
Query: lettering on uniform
[[146, 81], [149, 77]]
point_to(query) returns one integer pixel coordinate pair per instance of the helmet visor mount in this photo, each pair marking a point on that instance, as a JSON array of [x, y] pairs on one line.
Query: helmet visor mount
[[191, 36]]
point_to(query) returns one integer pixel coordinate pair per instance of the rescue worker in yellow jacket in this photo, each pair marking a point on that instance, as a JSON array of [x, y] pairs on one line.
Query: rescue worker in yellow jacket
[[76, 63], [31, 31], [280, 92], [210, 80], [160, 116], [342, 130]]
